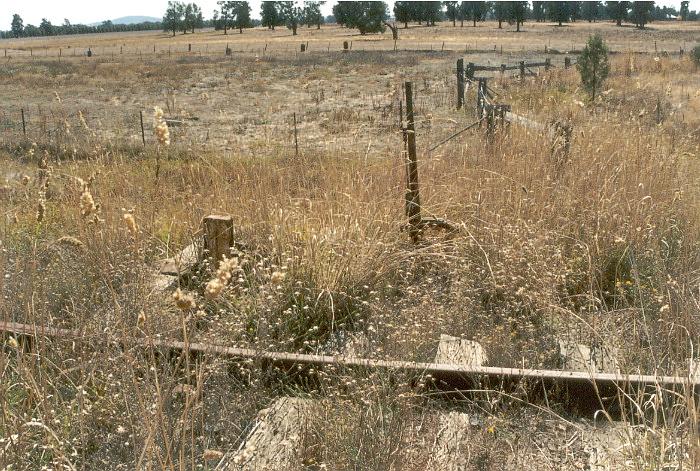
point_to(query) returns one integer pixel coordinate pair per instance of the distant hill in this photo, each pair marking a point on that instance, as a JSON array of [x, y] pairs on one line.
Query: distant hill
[[128, 20]]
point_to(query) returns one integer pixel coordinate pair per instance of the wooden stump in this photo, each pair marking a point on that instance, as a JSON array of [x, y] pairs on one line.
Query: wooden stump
[[218, 236], [447, 452], [276, 439], [578, 357]]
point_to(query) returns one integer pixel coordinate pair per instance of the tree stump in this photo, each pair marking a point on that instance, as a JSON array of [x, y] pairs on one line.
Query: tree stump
[[218, 236]]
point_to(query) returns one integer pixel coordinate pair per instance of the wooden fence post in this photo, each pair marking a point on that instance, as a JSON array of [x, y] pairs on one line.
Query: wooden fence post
[[522, 70], [547, 63], [412, 190], [503, 70], [460, 83], [218, 237], [480, 93], [24, 124], [470, 71], [567, 62], [303, 47], [296, 142], [345, 46], [143, 134]]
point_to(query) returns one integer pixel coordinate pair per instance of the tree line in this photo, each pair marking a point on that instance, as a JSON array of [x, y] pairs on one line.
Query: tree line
[[372, 16], [18, 29]]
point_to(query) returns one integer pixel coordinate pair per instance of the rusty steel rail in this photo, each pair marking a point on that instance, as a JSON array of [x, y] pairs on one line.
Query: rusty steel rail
[[590, 387]]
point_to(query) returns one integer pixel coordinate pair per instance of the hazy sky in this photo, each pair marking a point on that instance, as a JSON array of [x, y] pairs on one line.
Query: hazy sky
[[90, 11]]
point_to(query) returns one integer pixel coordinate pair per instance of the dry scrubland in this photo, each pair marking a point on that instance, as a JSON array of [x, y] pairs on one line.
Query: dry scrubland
[[599, 247]]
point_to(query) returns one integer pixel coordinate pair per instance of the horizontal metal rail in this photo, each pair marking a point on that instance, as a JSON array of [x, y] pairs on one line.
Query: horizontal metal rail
[[443, 372]]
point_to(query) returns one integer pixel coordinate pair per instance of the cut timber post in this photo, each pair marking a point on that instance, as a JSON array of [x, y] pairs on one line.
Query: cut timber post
[[412, 192], [460, 83], [578, 357], [522, 70], [446, 453], [276, 440], [547, 63], [567, 62], [218, 236], [24, 124]]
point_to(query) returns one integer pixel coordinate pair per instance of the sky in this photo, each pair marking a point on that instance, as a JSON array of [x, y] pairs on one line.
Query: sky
[[90, 11]]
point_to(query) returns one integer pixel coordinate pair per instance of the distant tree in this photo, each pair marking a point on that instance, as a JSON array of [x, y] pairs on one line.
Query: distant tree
[[403, 12], [538, 11], [641, 13], [591, 11], [367, 17], [451, 12], [290, 14], [192, 18], [430, 12], [17, 26], [575, 11], [617, 11], [501, 10], [312, 14], [558, 12], [695, 55], [233, 15], [476, 11], [46, 27], [593, 65], [517, 13], [269, 15], [684, 10], [241, 15], [173, 18]]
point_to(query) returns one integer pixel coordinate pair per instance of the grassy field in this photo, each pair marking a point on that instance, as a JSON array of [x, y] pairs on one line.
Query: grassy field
[[600, 246]]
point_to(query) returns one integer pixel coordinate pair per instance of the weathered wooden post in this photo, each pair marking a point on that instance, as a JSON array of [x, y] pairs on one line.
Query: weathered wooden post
[[469, 74], [547, 63], [567, 62], [345, 46], [24, 124], [412, 190], [503, 70], [228, 50], [121, 49], [490, 115], [89, 52], [296, 142], [480, 97], [143, 134], [522, 70], [218, 237], [303, 47], [460, 83]]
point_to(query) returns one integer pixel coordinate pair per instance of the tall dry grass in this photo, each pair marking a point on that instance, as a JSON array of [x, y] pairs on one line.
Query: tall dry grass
[[599, 247]]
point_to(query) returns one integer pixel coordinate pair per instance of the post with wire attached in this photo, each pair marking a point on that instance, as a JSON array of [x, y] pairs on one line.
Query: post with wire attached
[[412, 190], [460, 83], [480, 97], [143, 133]]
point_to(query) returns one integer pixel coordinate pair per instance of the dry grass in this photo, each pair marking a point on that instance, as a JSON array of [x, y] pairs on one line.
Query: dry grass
[[599, 247]]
